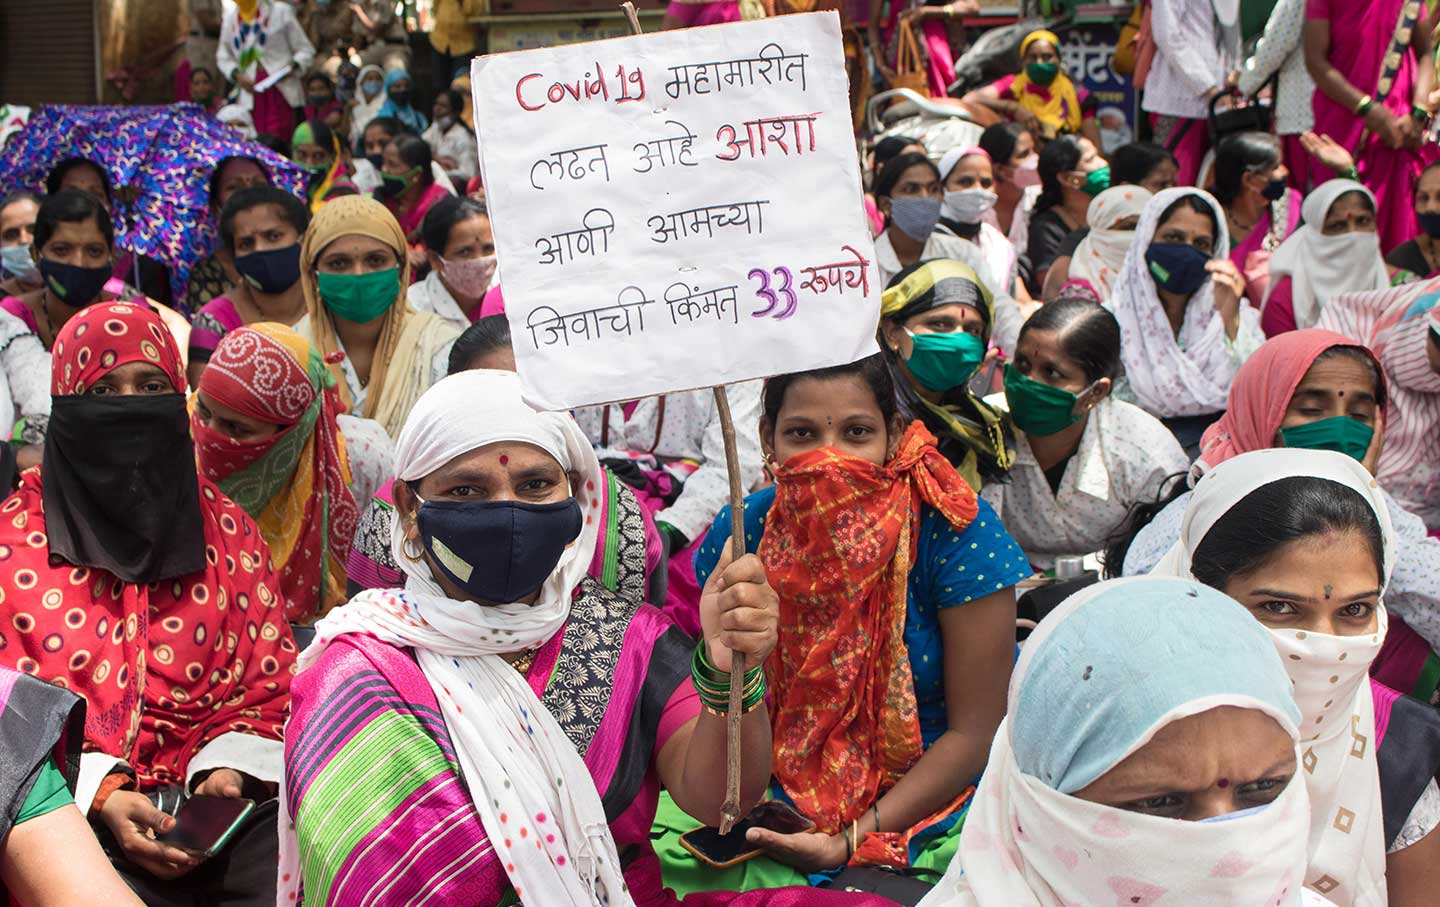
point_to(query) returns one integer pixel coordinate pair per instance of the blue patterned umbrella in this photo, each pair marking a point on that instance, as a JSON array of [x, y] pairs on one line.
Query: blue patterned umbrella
[[159, 161]]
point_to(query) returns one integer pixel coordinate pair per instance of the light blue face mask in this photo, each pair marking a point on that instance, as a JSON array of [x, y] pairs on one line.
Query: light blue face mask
[[16, 261], [1237, 815]]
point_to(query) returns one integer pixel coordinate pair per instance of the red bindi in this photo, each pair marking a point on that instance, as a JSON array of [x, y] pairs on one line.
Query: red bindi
[[504, 460], [1223, 783]]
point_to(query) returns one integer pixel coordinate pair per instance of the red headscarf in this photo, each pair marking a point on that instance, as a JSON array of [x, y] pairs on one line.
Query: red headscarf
[[295, 483], [164, 668], [1261, 394], [838, 546]]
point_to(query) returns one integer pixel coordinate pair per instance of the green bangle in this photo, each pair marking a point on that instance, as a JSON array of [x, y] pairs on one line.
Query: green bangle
[[1351, 174], [1420, 115], [713, 685]]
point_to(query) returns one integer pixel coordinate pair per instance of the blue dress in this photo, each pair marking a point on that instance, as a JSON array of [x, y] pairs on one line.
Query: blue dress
[[952, 567]]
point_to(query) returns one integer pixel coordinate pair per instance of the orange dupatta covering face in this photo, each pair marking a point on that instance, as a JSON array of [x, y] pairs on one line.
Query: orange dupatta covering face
[[838, 547]]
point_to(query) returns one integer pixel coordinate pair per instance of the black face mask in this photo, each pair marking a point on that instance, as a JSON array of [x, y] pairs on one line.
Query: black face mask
[[271, 271], [1274, 190], [73, 285], [401, 98], [376, 160], [1429, 223], [120, 489]]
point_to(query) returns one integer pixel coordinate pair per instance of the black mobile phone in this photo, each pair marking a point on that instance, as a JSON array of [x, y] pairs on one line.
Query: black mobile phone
[[204, 825], [723, 851]]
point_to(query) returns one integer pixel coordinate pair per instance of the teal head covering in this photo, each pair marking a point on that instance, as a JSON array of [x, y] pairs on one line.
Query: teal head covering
[[1120, 660]]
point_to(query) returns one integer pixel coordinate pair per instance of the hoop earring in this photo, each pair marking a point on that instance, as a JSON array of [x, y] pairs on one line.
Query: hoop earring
[[405, 549]]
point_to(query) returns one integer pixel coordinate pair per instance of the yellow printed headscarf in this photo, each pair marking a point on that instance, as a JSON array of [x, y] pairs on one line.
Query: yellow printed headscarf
[[1058, 104]]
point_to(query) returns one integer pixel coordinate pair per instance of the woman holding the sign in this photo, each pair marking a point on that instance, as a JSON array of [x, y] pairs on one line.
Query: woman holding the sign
[[354, 272], [564, 706], [888, 679]]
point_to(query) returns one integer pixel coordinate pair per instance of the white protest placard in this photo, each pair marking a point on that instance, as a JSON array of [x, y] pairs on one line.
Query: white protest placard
[[677, 210]]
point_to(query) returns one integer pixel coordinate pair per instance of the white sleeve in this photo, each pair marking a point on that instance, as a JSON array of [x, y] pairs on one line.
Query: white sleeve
[[301, 50], [93, 769], [1194, 61], [708, 488], [1281, 38], [255, 756], [27, 369], [1414, 590]]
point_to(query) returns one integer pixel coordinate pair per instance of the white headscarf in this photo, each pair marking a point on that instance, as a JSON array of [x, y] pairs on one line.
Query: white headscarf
[[1331, 678], [365, 109], [514, 756], [1321, 267], [1096, 681], [1185, 376], [1102, 252]]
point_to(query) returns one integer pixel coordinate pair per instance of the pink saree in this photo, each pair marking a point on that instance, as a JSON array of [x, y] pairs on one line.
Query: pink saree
[[1360, 36]]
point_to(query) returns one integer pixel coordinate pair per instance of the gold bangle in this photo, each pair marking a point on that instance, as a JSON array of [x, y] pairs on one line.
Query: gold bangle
[[1364, 106]]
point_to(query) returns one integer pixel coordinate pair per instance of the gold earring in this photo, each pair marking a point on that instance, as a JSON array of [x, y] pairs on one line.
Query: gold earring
[[405, 548]]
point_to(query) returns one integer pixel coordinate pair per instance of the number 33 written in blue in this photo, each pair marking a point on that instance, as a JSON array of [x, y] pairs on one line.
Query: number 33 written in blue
[[772, 295]]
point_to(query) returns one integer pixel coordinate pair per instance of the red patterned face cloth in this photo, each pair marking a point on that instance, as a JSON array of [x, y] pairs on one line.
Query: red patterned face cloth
[[838, 546]]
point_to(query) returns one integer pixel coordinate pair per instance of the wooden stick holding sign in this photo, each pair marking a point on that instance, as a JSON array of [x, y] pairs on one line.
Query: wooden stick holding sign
[[730, 811], [684, 213]]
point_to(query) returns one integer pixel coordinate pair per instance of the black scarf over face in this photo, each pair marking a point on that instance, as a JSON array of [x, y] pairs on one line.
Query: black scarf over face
[[120, 488]]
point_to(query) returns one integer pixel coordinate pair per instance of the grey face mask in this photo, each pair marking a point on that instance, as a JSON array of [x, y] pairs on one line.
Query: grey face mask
[[916, 217]]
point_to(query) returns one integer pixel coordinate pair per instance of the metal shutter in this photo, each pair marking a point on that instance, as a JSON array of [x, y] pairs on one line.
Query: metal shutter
[[48, 53]]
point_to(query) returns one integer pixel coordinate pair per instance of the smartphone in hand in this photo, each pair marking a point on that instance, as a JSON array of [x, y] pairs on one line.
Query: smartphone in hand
[[723, 851], [204, 825]]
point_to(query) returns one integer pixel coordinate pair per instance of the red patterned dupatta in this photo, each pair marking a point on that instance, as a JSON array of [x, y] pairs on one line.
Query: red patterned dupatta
[[838, 546]]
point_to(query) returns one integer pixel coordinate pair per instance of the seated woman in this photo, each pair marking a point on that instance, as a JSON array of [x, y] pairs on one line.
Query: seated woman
[[1149, 757], [74, 249], [1336, 251], [873, 739], [969, 179], [120, 533], [1302, 539], [215, 275], [1082, 458], [260, 231], [353, 272], [1017, 184], [1099, 253], [540, 686], [316, 147], [1311, 389], [17, 230], [1402, 327], [407, 187], [41, 727], [1250, 183], [461, 252], [270, 431], [936, 320], [452, 143], [371, 565], [1420, 257], [1184, 332], [1072, 173], [142, 272], [1041, 96]]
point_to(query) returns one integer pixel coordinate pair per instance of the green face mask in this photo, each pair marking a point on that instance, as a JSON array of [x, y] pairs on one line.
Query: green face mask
[[944, 361], [1042, 73], [1036, 408], [1341, 434], [1097, 181], [360, 298]]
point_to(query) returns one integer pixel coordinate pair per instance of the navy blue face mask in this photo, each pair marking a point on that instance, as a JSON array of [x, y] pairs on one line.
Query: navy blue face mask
[[73, 285], [1176, 266], [497, 551], [1429, 223], [271, 271]]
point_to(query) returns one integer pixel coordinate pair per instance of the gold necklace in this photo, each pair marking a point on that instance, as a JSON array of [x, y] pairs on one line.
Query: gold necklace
[[523, 663]]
